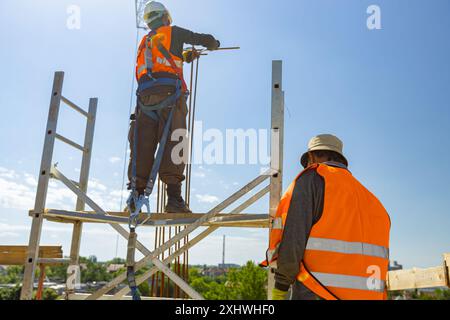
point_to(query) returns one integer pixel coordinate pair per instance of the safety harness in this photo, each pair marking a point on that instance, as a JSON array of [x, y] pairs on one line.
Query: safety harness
[[137, 201]]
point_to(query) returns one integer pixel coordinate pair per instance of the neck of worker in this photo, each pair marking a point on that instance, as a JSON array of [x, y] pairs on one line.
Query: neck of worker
[[335, 164]]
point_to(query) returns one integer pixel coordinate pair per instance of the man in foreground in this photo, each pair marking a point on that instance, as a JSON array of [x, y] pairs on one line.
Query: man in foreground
[[330, 237]]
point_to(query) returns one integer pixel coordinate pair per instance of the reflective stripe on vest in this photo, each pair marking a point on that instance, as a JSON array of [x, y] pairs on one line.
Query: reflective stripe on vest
[[164, 61], [340, 246], [350, 282], [148, 54], [142, 68], [270, 254]]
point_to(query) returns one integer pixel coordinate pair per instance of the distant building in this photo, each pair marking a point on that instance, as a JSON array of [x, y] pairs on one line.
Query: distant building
[[83, 266], [114, 267], [221, 269], [228, 265], [3, 269], [212, 272]]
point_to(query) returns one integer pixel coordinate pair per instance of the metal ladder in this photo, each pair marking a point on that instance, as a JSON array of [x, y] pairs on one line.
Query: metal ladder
[[45, 174]]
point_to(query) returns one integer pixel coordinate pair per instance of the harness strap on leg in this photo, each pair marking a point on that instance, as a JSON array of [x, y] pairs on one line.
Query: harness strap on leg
[[159, 154]]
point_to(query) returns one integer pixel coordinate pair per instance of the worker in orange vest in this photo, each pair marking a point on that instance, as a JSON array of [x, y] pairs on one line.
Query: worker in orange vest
[[159, 68], [330, 236]]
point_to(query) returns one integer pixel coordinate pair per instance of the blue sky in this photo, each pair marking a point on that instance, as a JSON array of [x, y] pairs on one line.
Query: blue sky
[[385, 93]]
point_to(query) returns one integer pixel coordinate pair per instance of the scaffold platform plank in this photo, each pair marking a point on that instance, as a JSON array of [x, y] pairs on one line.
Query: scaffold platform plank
[[159, 219], [84, 296], [16, 255]]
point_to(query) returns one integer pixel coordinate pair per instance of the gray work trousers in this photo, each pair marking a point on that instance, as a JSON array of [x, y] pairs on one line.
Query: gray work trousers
[[149, 132]]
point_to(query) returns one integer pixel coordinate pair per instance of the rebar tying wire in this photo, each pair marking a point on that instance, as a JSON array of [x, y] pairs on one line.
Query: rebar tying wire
[[180, 266], [193, 97], [191, 134]]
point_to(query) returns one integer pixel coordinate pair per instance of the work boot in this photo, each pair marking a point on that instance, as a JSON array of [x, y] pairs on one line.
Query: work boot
[[175, 202]]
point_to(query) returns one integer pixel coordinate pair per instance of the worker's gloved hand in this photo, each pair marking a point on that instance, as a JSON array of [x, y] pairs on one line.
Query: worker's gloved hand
[[190, 55], [215, 46], [279, 294]]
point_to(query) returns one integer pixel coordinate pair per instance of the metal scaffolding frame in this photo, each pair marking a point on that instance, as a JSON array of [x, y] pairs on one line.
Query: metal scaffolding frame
[[139, 8], [212, 220]]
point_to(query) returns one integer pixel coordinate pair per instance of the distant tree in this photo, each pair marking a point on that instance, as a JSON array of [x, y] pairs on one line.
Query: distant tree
[[438, 294], [442, 294], [392, 295], [144, 289], [49, 294], [95, 272], [10, 293], [117, 261], [56, 273], [12, 275], [246, 283]]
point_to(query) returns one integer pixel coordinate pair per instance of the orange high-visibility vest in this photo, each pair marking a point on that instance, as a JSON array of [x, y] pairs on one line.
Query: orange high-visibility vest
[[150, 58], [347, 252]]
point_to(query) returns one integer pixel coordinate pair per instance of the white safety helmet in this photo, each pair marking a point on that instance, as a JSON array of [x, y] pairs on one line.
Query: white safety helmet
[[155, 10]]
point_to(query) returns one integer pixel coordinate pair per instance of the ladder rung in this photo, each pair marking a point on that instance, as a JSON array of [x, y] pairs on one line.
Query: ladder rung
[[69, 142], [53, 260], [74, 106]]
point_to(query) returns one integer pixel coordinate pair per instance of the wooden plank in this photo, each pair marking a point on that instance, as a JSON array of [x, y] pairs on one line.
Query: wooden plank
[[154, 216], [159, 219], [83, 296], [16, 255], [416, 278]]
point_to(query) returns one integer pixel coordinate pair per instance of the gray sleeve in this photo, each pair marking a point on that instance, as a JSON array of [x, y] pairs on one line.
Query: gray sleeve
[[186, 36], [305, 210]]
